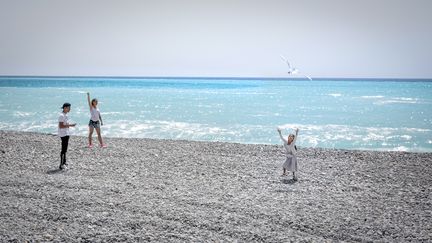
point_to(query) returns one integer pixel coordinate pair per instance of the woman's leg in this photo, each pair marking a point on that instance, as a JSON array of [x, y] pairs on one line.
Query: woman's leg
[[91, 128], [98, 131]]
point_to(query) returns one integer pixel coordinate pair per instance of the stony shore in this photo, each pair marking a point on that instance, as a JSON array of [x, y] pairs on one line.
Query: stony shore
[[183, 191]]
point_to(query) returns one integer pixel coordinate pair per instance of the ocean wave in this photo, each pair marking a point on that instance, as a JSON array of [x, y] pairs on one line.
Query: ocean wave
[[400, 149], [372, 96], [118, 112], [23, 114], [335, 95], [344, 128], [406, 137], [220, 92], [79, 91], [395, 149], [399, 100], [382, 100], [334, 135], [411, 129], [165, 129], [327, 136]]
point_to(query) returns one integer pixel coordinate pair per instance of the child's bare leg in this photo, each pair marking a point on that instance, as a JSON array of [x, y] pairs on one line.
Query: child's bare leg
[[90, 135]]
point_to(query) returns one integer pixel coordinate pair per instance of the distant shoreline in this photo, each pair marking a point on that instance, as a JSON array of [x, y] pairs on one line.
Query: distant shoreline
[[225, 78]]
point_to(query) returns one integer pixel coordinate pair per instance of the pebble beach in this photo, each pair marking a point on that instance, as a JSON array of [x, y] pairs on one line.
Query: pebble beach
[[188, 191]]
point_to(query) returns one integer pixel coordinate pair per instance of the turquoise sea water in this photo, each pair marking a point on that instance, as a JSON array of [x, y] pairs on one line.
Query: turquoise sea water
[[349, 114]]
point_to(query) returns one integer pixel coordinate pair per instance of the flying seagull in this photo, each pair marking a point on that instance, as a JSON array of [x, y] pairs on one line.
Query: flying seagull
[[291, 69]]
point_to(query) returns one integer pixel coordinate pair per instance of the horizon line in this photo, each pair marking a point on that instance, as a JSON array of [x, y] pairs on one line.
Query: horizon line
[[212, 77]]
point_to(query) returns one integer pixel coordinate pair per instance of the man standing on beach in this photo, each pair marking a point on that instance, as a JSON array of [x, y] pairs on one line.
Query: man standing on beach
[[63, 132]]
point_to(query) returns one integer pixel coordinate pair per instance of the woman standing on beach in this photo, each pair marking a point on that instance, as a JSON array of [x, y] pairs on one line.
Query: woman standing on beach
[[95, 117], [63, 132], [291, 160]]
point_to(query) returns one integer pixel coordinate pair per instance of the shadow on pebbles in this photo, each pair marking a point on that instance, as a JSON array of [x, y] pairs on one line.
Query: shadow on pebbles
[[176, 191]]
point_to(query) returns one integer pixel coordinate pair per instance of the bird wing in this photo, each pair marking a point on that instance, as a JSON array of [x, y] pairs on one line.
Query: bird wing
[[286, 61], [296, 71]]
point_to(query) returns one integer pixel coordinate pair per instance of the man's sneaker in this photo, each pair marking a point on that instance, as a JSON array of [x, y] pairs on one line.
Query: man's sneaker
[[90, 146], [103, 146]]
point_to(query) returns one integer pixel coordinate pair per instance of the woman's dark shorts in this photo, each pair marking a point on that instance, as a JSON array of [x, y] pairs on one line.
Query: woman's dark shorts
[[94, 124]]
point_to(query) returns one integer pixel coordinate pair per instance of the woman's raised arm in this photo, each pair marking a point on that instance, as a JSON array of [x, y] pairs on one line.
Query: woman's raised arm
[[88, 100]]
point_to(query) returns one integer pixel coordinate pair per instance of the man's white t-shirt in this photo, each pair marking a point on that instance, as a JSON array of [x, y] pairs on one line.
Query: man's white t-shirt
[[63, 131]]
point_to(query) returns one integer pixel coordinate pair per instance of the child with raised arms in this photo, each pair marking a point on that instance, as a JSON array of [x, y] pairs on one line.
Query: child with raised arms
[[290, 163]]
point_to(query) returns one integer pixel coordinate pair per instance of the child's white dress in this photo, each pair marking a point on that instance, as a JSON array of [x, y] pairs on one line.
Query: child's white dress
[[290, 163]]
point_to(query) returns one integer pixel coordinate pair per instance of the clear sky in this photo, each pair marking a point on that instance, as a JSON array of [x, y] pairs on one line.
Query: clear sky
[[236, 38]]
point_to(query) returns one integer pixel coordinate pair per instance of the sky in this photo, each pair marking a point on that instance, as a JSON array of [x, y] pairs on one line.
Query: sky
[[199, 38]]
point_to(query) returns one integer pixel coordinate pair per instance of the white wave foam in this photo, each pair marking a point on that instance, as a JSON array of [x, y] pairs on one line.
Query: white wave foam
[[311, 140], [412, 129], [322, 134], [347, 128], [399, 101], [330, 135], [335, 95], [167, 129], [407, 99], [221, 92], [372, 96], [373, 137], [117, 112], [79, 91], [23, 114], [400, 149], [392, 100], [406, 137]]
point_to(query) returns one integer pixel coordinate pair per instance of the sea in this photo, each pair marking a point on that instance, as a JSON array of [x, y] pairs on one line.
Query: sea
[[360, 114]]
